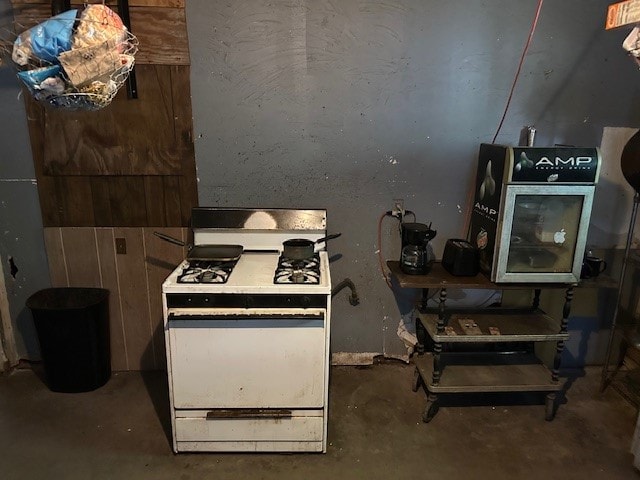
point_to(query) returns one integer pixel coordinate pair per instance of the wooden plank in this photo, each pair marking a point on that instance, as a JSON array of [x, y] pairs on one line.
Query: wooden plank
[[109, 275], [113, 4], [181, 100], [81, 255], [74, 201], [161, 31], [154, 192], [127, 201], [49, 205], [8, 349], [173, 201], [180, 84], [506, 374], [101, 201], [55, 257], [514, 326], [134, 296], [153, 3], [438, 277], [189, 197], [161, 258], [130, 137]]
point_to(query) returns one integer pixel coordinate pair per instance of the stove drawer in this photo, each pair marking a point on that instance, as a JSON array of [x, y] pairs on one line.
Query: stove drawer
[[250, 429]]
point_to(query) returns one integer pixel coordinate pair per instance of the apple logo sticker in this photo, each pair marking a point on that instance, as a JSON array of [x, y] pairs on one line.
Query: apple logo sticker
[[559, 237]]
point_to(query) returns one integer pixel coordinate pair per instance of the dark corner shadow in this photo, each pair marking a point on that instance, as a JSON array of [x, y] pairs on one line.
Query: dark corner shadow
[[570, 375], [37, 367], [156, 383], [334, 258], [492, 399]]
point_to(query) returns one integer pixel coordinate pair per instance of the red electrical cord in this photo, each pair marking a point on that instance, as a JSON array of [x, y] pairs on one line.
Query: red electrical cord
[[470, 196], [515, 79]]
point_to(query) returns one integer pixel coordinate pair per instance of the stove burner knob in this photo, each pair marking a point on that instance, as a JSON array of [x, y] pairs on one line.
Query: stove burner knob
[[305, 301]]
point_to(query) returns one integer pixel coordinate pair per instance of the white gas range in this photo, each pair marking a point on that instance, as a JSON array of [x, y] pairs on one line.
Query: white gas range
[[248, 358]]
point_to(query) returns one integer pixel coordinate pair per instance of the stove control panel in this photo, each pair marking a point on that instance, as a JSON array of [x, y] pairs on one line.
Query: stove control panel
[[234, 300]]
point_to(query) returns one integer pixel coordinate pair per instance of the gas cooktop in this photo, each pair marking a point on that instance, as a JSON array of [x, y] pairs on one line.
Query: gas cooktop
[[254, 271]]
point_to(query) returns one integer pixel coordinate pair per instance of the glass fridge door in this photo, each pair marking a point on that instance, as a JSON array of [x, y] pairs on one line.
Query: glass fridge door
[[544, 233]]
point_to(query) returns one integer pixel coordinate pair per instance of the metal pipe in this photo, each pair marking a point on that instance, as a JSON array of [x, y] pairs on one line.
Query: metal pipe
[[353, 298], [632, 223]]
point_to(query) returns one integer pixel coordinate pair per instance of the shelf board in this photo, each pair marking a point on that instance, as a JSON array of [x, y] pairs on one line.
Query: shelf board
[[438, 277], [513, 325], [488, 373]]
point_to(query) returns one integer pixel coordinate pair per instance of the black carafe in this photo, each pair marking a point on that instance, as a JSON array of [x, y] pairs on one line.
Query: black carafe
[[417, 254]]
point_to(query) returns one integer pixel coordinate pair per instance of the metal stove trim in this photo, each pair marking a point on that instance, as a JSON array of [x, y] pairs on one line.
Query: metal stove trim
[[277, 218]]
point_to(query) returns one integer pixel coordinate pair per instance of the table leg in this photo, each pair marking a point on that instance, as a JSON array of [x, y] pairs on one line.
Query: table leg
[[431, 409], [421, 336], [441, 310], [549, 406], [566, 311], [424, 300], [437, 346]]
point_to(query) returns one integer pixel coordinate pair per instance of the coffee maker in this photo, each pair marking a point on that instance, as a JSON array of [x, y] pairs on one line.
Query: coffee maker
[[416, 256]]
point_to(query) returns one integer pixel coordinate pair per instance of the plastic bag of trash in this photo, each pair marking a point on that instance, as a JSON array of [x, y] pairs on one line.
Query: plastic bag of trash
[[46, 40], [44, 81]]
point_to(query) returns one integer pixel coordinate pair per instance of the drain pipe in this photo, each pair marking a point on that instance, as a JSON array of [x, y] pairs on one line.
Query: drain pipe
[[353, 298]]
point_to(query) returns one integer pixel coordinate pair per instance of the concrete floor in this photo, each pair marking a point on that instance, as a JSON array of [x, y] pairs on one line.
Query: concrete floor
[[375, 431]]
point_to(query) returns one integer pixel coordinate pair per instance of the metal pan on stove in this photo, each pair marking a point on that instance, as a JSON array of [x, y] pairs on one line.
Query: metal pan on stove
[[301, 248], [206, 253]]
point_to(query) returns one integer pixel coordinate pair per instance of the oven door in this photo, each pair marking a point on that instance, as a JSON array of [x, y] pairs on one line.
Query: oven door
[[247, 359]]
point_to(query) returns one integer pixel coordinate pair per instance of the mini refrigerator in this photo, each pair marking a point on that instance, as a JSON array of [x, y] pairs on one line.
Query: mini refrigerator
[[531, 211]]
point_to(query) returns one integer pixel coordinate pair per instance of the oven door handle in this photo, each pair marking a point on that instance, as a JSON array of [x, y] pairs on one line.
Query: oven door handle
[[176, 317], [248, 413]]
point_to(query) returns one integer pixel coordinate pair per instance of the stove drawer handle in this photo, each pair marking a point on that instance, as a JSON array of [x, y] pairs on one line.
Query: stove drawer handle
[[248, 413]]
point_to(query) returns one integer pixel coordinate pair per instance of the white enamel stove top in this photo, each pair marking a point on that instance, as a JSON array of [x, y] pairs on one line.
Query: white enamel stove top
[[253, 273]]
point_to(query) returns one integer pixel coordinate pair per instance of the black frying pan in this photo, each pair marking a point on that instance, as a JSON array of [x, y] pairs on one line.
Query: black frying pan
[[301, 248], [207, 253]]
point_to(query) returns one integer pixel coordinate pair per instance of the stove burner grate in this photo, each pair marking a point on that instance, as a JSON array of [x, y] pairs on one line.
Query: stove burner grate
[[206, 272], [305, 271]]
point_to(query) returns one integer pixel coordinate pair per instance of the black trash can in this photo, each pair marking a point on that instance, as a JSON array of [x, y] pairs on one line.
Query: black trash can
[[73, 331]]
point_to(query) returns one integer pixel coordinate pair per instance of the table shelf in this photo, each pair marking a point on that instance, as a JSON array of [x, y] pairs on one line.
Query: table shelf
[[483, 373], [464, 369], [509, 325]]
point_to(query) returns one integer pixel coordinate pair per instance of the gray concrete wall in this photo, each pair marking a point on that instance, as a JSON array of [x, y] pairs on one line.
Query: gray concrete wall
[[347, 105], [21, 240]]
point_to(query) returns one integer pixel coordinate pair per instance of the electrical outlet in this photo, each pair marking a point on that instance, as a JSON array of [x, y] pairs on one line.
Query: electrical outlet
[[398, 208], [121, 246]]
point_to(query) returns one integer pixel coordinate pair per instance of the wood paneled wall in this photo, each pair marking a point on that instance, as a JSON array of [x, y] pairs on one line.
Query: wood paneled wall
[[133, 162], [86, 257], [129, 168], [159, 25]]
